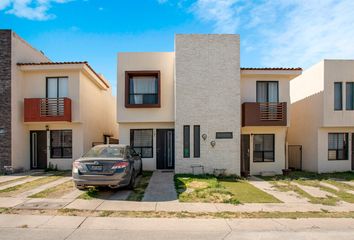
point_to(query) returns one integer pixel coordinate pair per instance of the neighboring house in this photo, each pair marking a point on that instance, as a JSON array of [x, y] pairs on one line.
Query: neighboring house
[[187, 110], [322, 122], [51, 112]]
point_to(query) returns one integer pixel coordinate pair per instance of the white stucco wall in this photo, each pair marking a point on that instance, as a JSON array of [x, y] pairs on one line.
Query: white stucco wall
[[149, 164], [208, 94]]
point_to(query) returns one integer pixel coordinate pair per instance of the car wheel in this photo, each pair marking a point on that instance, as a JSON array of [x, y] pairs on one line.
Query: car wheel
[[132, 181]]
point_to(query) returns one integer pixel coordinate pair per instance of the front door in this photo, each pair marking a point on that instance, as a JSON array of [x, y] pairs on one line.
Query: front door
[[165, 148], [245, 154], [38, 149], [352, 151]]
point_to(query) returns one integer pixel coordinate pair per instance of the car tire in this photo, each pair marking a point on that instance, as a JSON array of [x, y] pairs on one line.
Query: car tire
[[132, 181]]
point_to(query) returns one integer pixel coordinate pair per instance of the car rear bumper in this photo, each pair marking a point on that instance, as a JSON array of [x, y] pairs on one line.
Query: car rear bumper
[[117, 179]]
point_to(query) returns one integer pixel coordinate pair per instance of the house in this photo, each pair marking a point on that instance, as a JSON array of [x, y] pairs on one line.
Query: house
[[51, 112], [322, 119], [196, 110]]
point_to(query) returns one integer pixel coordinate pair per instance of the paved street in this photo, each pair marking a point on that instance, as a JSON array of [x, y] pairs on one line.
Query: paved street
[[61, 227]]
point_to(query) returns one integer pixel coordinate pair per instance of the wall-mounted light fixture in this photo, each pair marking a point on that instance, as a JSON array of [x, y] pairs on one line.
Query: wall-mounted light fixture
[[213, 143], [47, 127], [204, 136]]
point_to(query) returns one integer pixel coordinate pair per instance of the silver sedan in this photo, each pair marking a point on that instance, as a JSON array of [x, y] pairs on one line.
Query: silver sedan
[[107, 165]]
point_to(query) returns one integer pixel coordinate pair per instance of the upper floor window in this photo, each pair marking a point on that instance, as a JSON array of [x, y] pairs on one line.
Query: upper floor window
[[338, 96], [57, 87], [142, 89], [267, 91], [350, 96]]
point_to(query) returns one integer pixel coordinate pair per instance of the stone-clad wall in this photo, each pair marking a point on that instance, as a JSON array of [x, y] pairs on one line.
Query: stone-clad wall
[[208, 94], [5, 98]]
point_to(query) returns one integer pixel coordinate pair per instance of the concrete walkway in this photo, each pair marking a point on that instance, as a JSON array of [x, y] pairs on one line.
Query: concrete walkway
[[161, 187], [38, 227], [13, 184], [286, 197]]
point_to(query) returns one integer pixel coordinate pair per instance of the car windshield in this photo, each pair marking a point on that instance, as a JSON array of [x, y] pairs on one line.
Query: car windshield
[[106, 152]]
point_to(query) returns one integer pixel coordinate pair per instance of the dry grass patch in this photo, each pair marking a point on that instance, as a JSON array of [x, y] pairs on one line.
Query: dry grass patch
[[14, 180], [57, 191]]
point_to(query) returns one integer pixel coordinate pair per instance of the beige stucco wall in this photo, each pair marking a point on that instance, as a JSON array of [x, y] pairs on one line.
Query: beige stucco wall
[[98, 110], [140, 61], [325, 165], [124, 138], [337, 71], [208, 94], [21, 52], [256, 168]]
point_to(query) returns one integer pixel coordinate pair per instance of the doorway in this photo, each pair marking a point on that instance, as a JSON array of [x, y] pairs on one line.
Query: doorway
[[245, 155], [165, 148], [38, 149], [295, 157]]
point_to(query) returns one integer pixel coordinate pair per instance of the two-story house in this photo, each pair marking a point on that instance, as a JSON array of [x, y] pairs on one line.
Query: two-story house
[[51, 112], [322, 119], [196, 109]]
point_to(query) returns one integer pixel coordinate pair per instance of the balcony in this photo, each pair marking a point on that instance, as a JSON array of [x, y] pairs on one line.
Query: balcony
[[47, 110], [264, 114]]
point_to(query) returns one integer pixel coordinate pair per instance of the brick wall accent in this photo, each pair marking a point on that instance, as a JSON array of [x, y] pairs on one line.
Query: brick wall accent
[[5, 98]]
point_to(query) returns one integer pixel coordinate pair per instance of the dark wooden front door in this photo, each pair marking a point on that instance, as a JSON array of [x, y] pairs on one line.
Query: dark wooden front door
[[165, 148], [38, 149], [245, 154], [352, 151]]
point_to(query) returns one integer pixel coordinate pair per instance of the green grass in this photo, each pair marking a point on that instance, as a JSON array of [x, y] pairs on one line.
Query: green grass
[[14, 180], [208, 188], [15, 190], [90, 194], [139, 190], [55, 192], [298, 175]]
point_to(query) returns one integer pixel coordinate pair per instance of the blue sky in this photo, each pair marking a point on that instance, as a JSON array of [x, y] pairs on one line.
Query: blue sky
[[284, 33]]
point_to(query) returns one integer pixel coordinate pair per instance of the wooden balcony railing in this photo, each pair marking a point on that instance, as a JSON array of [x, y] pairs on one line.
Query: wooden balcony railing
[[264, 114], [47, 109]]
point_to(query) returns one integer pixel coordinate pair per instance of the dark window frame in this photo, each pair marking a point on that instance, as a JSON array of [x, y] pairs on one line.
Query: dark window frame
[[46, 84], [257, 93], [186, 141], [273, 151], [141, 147], [129, 75], [218, 135], [347, 100], [345, 148], [61, 143], [196, 141], [341, 96]]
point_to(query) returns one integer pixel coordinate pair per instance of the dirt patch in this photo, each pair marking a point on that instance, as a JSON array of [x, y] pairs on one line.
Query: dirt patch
[[197, 185]]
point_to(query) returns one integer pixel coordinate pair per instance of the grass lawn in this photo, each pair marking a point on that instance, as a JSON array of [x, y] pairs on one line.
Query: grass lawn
[[14, 180], [15, 190], [284, 183], [56, 192], [208, 188]]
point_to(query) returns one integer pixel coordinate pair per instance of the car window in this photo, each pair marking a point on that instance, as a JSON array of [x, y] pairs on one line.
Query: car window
[[106, 152]]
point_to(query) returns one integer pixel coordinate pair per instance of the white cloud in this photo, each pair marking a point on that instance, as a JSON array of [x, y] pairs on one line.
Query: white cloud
[[30, 9], [285, 33]]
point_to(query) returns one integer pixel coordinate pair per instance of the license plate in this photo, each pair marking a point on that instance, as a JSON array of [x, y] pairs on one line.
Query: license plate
[[96, 168]]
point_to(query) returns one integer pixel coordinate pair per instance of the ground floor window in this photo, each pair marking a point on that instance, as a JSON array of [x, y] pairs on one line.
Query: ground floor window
[[61, 144], [337, 146], [142, 142], [263, 148]]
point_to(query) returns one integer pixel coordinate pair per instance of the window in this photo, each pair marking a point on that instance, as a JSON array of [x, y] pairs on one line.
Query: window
[[57, 87], [350, 95], [61, 144], [141, 140], [263, 148], [142, 89], [186, 141], [338, 96], [223, 135], [196, 140], [337, 146], [267, 91]]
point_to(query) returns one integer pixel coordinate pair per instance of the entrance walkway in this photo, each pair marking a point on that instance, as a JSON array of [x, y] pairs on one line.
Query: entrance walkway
[[161, 187]]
